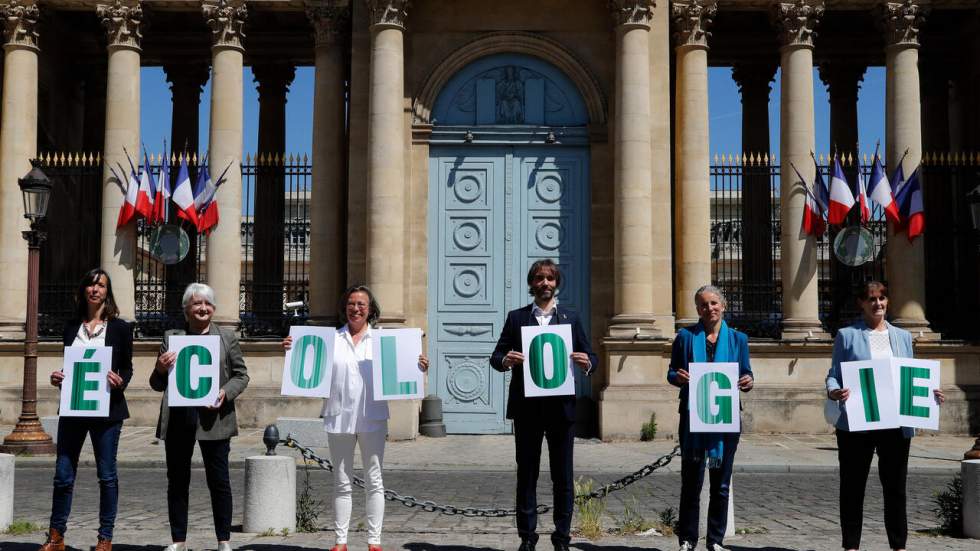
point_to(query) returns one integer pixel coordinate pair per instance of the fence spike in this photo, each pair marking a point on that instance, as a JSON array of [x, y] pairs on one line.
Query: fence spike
[[975, 158], [716, 158], [306, 160], [98, 157]]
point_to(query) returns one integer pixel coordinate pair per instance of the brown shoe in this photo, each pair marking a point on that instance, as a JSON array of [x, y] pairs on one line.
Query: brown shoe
[[56, 541], [103, 545]]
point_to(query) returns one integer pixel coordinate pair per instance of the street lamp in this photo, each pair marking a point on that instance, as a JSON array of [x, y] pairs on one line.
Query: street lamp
[[974, 201], [28, 435]]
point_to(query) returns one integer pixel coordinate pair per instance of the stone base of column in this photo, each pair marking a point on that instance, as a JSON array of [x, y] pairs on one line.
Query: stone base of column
[[626, 326], [804, 329], [11, 330], [681, 323], [394, 320], [403, 421], [232, 324], [324, 321], [918, 327]]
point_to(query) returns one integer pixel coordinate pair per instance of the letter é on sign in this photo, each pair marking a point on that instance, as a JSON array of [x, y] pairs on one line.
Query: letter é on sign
[[559, 361], [297, 368], [81, 383], [184, 386]]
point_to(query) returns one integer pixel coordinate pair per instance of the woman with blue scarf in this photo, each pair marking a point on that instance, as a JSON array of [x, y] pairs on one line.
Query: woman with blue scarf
[[711, 340]]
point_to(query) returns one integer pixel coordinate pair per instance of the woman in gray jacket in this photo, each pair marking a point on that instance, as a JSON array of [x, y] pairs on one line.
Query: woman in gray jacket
[[211, 427]]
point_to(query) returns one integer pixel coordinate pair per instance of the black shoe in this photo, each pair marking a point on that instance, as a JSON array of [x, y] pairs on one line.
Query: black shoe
[[526, 545], [561, 546]]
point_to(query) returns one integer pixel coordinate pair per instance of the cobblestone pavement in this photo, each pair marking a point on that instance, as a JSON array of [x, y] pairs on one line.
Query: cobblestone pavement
[[779, 511]]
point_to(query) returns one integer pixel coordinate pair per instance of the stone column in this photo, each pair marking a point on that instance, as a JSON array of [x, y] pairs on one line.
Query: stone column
[[798, 264], [187, 81], [903, 131], [328, 252], [270, 200], [386, 159], [632, 177], [692, 168], [754, 83], [224, 253], [122, 22], [18, 145], [843, 80]]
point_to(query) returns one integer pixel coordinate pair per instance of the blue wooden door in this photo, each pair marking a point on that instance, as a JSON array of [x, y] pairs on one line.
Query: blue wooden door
[[493, 211]]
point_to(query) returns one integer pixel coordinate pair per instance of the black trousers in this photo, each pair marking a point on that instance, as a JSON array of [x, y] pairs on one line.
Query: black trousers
[[854, 451], [692, 480], [560, 434], [180, 448]]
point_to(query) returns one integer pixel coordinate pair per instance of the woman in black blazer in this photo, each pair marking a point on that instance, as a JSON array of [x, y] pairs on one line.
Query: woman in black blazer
[[96, 324]]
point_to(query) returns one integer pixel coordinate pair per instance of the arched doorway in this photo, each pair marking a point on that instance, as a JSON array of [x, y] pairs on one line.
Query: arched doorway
[[508, 184]]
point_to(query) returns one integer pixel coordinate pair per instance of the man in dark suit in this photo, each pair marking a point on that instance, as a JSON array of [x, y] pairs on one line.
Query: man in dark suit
[[551, 417]]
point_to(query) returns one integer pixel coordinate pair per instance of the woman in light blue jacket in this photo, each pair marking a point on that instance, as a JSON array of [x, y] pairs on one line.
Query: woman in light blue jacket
[[870, 338]]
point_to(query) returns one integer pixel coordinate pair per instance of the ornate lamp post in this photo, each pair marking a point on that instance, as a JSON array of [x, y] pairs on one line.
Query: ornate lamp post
[[974, 200], [28, 435]]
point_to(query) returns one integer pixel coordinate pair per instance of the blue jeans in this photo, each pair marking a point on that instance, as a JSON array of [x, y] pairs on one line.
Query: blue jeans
[[105, 442], [692, 478]]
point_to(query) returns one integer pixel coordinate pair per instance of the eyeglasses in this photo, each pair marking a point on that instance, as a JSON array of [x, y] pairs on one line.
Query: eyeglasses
[[357, 305]]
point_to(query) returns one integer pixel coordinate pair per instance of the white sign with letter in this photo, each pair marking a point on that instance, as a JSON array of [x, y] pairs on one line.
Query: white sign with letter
[[915, 381], [871, 404], [309, 362], [548, 367], [85, 388], [712, 399], [395, 354], [195, 379]]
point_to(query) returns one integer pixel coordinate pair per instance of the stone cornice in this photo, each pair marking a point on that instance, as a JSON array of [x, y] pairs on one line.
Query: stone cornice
[[691, 21], [632, 13], [388, 13], [122, 22], [901, 22], [226, 18], [796, 21], [331, 20], [20, 23]]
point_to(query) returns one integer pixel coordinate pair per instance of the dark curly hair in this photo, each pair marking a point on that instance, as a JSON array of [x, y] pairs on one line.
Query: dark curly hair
[[543, 264], [374, 309]]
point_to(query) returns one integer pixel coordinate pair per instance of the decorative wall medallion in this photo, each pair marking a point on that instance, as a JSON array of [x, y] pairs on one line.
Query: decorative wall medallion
[[467, 330], [468, 188], [466, 381], [550, 235], [549, 188], [467, 235]]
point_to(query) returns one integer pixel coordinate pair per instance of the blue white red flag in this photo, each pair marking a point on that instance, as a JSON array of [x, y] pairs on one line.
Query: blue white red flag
[[146, 193], [911, 212], [207, 208], [184, 194], [162, 200], [841, 196], [880, 191]]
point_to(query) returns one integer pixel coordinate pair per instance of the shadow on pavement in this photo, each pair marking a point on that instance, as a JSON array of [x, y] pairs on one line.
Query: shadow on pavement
[[32, 546], [585, 546], [270, 547], [412, 546], [738, 548]]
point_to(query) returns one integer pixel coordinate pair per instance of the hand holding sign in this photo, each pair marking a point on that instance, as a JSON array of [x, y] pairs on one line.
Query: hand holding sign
[[547, 351], [396, 362], [85, 385], [194, 379], [713, 398]]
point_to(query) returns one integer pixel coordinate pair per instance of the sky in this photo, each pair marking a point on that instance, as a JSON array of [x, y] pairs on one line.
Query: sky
[[724, 111]]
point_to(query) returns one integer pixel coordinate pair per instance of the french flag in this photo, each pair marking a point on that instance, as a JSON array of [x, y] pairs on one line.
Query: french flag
[[910, 209], [163, 191], [128, 209], [207, 208], [184, 195], [880, 191], [841, 196], [146, 193], [816, 206]]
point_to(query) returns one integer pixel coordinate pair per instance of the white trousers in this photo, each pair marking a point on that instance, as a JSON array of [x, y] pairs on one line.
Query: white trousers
[[372, 455]]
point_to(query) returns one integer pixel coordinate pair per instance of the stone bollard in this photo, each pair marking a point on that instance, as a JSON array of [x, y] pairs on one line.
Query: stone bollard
[[703, 508], [270, 494], [970, 471], [6, 490]]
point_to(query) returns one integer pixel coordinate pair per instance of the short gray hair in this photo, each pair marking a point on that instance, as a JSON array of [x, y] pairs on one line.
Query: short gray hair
[[200, 289], [713, 290]]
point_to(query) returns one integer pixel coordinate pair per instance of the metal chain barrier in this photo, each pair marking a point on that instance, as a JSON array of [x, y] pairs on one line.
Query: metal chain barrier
[[433, 507]]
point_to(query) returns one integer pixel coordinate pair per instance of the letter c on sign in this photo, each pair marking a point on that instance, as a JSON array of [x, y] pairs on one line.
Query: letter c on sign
[[183, 368]]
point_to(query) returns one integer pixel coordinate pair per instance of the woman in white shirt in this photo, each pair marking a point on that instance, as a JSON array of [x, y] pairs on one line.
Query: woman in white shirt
[[352, 416]]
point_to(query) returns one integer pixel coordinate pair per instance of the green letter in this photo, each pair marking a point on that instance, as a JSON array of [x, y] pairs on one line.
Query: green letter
[[909, 390], [559, 357], [80, 383], [704, 398], [299, 360], [867, 377], [390, 385], [184, 372]]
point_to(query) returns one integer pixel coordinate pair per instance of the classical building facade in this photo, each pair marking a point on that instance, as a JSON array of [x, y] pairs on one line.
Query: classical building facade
[[457, 141]]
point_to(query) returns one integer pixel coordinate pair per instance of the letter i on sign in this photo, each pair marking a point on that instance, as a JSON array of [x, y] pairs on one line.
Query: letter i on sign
[[395, 354], [85, 388], [872, 404]]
